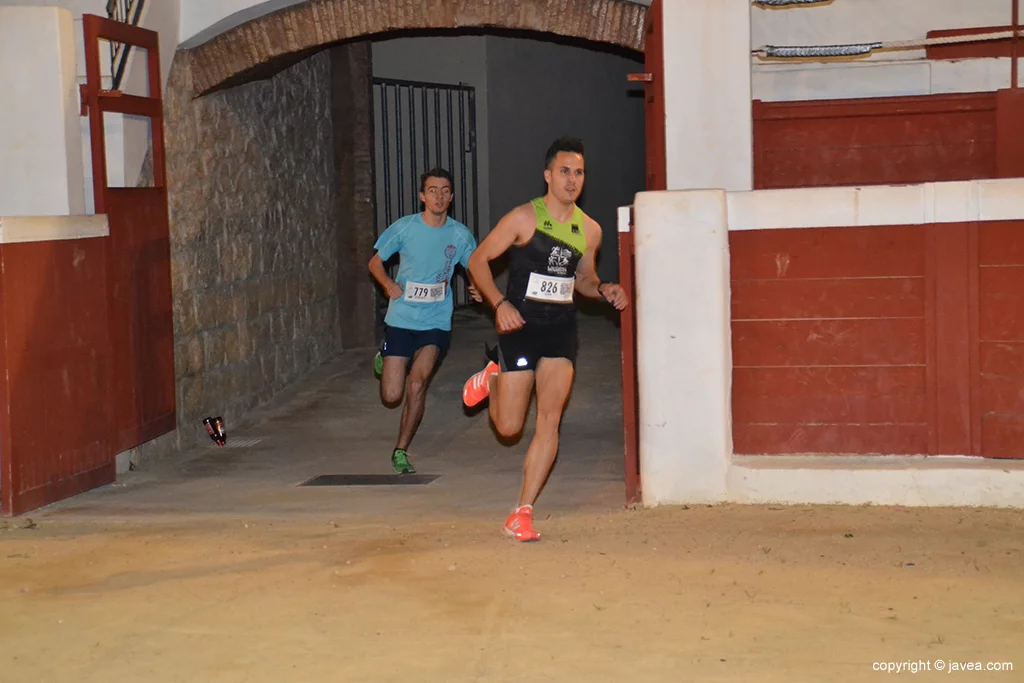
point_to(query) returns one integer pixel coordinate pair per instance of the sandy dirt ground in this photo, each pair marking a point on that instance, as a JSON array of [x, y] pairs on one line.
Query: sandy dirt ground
[[724, 593]]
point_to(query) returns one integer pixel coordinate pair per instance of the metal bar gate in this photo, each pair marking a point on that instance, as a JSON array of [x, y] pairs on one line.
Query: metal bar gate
[[419, 126]]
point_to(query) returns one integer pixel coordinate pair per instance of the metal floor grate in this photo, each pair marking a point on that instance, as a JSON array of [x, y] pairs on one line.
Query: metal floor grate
[[239, 443], [371, 480]]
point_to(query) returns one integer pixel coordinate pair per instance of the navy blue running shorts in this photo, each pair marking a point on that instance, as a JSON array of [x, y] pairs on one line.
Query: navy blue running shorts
[[404, 343]]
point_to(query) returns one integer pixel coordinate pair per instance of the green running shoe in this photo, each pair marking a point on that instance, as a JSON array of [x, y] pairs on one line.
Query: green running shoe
[[400, 461], [378, 365]]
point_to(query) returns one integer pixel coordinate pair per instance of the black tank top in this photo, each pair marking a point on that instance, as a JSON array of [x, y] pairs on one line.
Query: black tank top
[[551, 256]]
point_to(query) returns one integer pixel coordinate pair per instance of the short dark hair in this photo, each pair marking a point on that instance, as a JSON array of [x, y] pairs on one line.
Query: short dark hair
[[436, 173], [574, 145]]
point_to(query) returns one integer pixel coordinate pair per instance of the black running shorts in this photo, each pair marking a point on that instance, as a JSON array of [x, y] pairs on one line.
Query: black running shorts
[[522, 349]]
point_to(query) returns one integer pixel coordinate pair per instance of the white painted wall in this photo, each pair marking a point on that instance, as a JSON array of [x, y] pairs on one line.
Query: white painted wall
[[894, 78], [882, 74], [709, 131], [452, 60], [41, 162], [685, 367], [684, 361]]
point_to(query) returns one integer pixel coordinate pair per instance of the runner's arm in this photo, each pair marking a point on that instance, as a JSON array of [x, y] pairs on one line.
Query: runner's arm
[[390, 287], [376, 266], [587, 282], [504, 235]]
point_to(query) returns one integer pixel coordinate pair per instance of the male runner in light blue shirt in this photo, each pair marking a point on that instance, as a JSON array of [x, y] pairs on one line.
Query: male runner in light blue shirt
[[419, 318]]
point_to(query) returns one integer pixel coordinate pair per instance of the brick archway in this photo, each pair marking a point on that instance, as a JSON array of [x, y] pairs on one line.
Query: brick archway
[[301, 29]]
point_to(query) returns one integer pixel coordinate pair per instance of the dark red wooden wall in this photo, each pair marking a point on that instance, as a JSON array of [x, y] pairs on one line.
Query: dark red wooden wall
[[875, 141], [887, 340], [54, 391], [815, 317], [1000, 290]]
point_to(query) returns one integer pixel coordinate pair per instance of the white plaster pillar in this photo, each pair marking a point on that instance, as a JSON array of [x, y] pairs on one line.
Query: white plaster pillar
[[41, 170], [684, 354], [709, 126]]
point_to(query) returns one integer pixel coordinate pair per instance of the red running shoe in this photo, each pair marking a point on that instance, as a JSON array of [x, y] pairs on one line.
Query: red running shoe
[[519, 524]]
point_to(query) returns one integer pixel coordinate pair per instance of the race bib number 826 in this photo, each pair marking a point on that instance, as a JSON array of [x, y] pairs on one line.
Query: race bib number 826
[[552, 290]]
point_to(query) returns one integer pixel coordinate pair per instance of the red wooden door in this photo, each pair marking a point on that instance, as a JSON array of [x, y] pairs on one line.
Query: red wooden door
[[54, 370], [654, 148], [654, 64], [139, 274]]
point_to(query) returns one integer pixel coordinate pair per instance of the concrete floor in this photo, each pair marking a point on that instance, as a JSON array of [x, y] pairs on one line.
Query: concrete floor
[[333, 422]]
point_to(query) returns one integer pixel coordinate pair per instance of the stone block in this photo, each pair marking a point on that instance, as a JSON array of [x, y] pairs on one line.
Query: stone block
[[252, 299], [280, 287], [195, 356], [303, 356], [214, 347], [294, 291], [259, 330], [266, 295], [182, 270], [180, 359], [208, 271], [185, 322], [209, 313], [239, 302], [190, 396], [232, 350], [239, 376]]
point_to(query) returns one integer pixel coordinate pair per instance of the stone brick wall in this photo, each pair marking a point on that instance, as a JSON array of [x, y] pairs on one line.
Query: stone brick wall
[[252, 194]]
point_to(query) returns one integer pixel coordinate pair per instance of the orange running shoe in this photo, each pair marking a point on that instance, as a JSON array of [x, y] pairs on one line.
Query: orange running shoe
[[519, 524], [476, 388]]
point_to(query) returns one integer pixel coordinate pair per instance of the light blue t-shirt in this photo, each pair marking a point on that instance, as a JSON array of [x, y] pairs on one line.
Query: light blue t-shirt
[[428, 256]]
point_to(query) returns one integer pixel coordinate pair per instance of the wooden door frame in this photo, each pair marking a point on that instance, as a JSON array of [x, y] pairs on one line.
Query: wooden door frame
[[96, 101], [655, 179], [141, 330]]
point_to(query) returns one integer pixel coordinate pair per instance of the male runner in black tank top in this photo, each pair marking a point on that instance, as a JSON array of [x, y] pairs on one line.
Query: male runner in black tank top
[[552, 244]]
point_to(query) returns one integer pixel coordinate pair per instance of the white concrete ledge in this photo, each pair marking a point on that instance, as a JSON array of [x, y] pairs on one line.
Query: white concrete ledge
[[820, 207], [947, 481], [912, 75], [49, 228]]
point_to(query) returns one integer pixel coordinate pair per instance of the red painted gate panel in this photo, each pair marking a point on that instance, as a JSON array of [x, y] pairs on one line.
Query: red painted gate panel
[[1001, 339], [815, 313], [882, 340], [142, 318], [890, 140], [54, 349]]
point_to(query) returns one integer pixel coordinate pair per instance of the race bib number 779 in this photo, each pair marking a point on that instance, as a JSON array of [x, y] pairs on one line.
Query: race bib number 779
[[425, 294]]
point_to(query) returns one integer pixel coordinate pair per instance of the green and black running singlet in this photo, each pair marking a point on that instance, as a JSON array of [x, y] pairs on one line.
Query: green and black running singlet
[[542, 272]]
